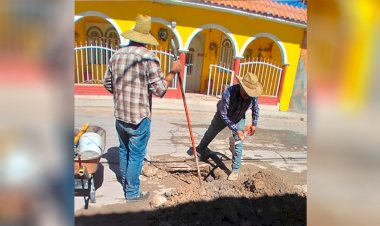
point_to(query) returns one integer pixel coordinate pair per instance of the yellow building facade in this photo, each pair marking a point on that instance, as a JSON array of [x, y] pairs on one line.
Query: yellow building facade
[[205, 36]]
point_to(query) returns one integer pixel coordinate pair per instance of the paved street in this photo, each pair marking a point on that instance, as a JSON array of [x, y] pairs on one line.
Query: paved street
[[279, 143]]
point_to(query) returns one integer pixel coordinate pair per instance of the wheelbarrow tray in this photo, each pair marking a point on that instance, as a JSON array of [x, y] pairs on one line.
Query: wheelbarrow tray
[[91, 163]]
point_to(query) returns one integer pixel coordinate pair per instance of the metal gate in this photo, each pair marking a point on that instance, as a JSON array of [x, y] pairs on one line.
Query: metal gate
[[91, 60], [166, 59], [219, 79], [268, 71]]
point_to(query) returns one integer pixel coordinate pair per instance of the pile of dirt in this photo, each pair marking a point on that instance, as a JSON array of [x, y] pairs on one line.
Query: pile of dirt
[[254, 199], [248, 186]]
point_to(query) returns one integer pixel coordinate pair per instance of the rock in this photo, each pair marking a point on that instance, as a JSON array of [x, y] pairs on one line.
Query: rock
[[257, 185], [157, 200], [220, 174], [149, 171], [209, 178], [168, 194], [248, 183], [143, 178], [202, 191]]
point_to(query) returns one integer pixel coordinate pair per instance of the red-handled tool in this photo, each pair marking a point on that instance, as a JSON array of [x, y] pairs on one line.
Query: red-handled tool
[[186, 112]]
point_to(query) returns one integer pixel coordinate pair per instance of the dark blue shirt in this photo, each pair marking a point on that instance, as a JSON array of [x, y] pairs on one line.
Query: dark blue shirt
[[232, 107]]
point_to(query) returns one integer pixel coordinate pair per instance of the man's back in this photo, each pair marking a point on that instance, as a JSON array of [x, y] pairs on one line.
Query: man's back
[[132, 70], [235, 105]]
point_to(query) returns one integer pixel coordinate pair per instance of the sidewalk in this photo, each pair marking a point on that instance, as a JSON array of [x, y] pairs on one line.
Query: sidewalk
[[195, 103]]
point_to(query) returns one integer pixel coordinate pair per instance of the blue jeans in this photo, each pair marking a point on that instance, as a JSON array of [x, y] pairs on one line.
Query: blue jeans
[[217, 125], [133, 142]]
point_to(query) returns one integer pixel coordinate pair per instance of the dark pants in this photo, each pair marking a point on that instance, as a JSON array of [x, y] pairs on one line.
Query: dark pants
[[217, 125]]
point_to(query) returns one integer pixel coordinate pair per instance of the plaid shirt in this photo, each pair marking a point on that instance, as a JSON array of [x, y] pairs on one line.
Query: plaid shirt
[[232, 107], [133, 75]]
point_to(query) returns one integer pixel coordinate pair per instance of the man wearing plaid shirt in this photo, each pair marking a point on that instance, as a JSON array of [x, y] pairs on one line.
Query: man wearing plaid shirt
[[132, 76], [236, 100]]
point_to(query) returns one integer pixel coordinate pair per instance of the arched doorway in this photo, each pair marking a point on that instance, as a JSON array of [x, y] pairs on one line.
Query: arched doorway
[[263, 48], [96, 40], [265, 56], [214, 47], [96, 27]]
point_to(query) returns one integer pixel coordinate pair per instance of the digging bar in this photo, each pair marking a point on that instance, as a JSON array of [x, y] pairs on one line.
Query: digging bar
[[174, 48]]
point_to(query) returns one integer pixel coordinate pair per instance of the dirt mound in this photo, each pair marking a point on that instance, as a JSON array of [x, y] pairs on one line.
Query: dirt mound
[[254, 199], [266, 183], [249, 186]]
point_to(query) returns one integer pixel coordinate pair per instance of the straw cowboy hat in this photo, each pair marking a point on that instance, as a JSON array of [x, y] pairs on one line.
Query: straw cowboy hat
[[251, 85], [141, 32]]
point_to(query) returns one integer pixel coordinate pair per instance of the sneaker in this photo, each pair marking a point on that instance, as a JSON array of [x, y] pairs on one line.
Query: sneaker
[[143, 196], [233, 176]]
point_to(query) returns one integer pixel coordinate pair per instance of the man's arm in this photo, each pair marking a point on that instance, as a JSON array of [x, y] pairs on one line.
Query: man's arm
[[107, 81], [251, 129], [157, 83], [223, 108]]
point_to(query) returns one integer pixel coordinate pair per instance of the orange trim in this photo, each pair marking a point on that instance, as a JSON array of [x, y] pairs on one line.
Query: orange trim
[[236, 68], [283, 73], [267, 100], [182, 58], [83, 89], [267, 8]]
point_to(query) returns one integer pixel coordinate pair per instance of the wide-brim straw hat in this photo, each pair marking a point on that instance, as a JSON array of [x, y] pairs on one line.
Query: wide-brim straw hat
[[251, 85], [141, 32]]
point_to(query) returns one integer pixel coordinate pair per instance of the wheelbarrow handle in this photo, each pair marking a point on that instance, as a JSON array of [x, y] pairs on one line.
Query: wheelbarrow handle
[[80, 133]]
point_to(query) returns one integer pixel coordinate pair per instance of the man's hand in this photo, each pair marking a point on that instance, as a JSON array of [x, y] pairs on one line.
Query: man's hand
[[108, 85], [176, 66], [241, 135], [250, 129]]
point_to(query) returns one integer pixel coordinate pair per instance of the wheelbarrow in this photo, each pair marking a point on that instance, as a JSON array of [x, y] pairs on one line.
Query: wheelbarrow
[[86, 160]]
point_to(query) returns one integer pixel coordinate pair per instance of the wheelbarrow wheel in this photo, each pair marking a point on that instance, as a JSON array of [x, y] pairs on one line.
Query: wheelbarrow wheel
[[92, 197], [92, 191]]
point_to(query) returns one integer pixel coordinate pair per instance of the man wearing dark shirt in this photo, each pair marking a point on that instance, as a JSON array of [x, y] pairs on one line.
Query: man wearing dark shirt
[[236, 100]]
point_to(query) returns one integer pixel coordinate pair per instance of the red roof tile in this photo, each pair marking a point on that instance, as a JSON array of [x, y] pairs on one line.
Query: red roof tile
[[264, 7]]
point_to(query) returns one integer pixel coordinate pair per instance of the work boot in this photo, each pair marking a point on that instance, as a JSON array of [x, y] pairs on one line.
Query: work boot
[[203, 154], [233, 176], [143, 196]]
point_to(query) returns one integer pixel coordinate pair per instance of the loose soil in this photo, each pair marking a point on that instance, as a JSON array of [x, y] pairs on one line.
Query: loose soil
[[258, 197]]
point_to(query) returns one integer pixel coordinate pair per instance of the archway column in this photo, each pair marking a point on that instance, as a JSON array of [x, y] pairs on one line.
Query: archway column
[[281, 86], [236, 67], [182, 59]]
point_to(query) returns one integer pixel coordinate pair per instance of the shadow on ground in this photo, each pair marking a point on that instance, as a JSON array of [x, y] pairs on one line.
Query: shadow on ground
[[288, 209], [213, 158], [112, 157]]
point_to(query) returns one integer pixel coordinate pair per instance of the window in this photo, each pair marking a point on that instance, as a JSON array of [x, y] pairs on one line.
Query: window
[[226, 54], [100, 35], [190, 61], [112, 37], [94, 33]]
